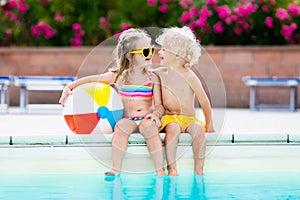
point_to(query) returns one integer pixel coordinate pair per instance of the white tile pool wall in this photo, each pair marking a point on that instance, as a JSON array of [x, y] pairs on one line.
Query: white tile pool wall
[[228, 158]]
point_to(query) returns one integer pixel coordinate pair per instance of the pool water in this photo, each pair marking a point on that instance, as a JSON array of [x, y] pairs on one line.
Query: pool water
[[220, 185]]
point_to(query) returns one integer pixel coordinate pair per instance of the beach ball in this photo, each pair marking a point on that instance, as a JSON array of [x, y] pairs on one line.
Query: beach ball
[[93, 108]]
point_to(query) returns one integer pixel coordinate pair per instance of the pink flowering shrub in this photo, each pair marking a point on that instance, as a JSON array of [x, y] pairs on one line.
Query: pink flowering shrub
[[240, 22], [78, 34], [50, 22], [89, 22], [42, 29]]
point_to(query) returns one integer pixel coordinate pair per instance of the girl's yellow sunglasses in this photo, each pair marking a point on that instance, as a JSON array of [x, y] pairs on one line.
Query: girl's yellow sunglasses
[[146, 52]]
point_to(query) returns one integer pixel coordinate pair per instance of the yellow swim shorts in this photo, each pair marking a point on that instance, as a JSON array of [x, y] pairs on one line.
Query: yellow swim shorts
[[182, 120]]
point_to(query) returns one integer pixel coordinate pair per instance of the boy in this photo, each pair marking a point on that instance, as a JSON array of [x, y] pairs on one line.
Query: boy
[[180, 86]]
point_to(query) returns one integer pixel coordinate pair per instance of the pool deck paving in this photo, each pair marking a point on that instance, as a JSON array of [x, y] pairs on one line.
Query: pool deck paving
[[254, 147], [228, 122]]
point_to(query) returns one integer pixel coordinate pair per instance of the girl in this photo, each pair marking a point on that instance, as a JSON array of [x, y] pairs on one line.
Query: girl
[[139, 90]]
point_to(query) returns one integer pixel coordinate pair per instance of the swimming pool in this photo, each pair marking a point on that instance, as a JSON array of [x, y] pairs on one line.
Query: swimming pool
[[251, 185], [232, 172]]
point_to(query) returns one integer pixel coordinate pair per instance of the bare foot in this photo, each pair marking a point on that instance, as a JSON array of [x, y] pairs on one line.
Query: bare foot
[[112, 173], [172, 172], [160, 172], [199, 173]]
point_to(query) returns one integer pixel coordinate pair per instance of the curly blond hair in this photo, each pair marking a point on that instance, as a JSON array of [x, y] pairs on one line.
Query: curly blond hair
[[182, 42]]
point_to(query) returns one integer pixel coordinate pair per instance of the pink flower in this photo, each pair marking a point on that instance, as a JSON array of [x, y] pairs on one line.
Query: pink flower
[[103, 23], [273, 2], [238, 30], [292, 41], [79, 33], [163, 8], [218, 27], [76, 27], [211, 2], [192, 26], [152, 2], [183, 4], [12, 4], [76, 42], [59, 17], [287, 31], [201, 23], [35, 30], [204, 12], [293, 26], [49, 32], [8, 33], [46, 29], [185, 17], [13, 17], [107, 25], [293, 9], [223, 11], [102, 20], [102, 26], [269, 22], [282, 14], [193, 11], [265, 8], [243, 23], [125, 26], [228, 20], [42, 25], [246, 10], [23, 8], [117, 34], [42, 29], [234, 18]]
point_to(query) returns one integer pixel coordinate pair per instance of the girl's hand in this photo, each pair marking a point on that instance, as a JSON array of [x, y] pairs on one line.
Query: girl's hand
[[154, 118], [64, 95]]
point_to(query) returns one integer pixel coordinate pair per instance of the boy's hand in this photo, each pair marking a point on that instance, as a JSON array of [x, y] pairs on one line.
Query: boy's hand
[[210, 129]]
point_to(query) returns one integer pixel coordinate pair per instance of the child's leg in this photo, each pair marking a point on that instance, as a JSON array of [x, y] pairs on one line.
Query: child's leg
[[171, 142], [150, 131], [123, 129], [196, 130]]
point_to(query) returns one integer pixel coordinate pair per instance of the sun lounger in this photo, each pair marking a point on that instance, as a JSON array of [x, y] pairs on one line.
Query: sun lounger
[[5, 81], [39, 83], [274, 82]]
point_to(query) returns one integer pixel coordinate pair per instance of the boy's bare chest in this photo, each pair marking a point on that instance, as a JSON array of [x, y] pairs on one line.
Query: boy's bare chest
[[175, 84]]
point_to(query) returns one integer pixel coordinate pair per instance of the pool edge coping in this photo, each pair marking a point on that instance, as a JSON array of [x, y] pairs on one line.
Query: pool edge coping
[[185, 139]]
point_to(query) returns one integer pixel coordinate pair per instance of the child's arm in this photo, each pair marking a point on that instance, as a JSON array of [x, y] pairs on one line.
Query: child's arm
[[108, 77], [203, 100], [157, 100]]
